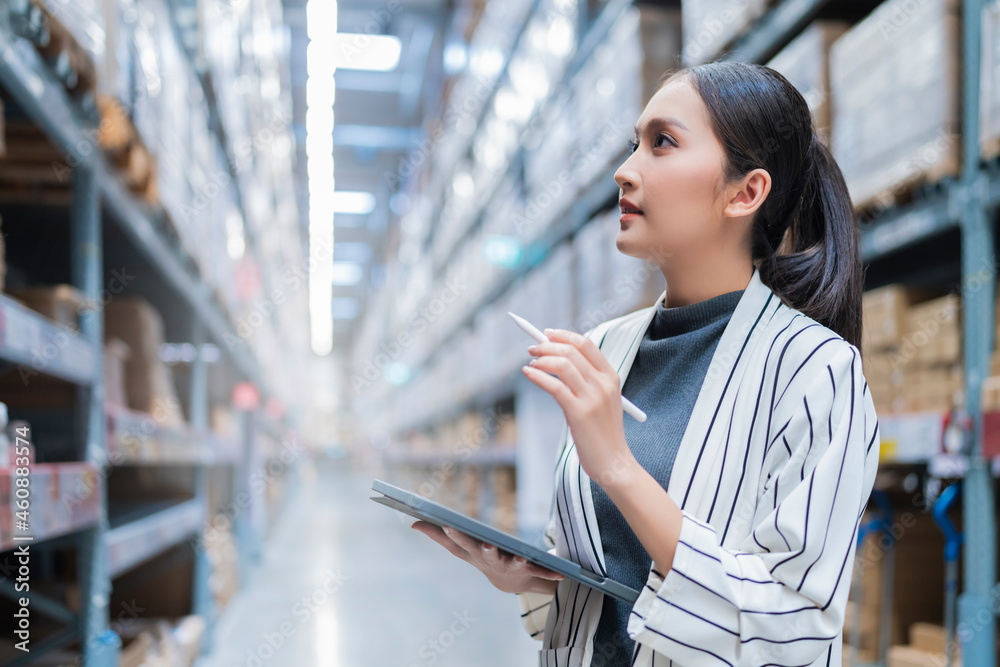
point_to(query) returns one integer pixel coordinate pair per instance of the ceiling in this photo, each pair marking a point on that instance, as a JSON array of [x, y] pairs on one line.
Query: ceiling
[[378, 119]]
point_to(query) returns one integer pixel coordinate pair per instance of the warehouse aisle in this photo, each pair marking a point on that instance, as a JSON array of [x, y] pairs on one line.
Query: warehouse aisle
[[344, 583]]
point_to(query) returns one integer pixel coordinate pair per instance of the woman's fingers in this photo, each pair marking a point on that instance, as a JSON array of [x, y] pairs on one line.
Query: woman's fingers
[[564, 369], [436, 534], [470, 549]]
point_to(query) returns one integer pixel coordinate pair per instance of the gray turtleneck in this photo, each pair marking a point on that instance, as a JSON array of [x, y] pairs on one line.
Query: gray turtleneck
[[664, 381]]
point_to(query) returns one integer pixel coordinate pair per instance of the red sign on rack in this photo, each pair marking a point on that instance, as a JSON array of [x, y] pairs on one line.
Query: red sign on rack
[[245, 396]]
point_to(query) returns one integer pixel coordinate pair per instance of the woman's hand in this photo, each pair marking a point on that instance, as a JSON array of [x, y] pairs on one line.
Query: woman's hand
[[509, 573], [588, 390]]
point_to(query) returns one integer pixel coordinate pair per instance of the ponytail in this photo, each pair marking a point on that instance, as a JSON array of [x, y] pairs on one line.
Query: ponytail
[[805, 239], [817, 269]]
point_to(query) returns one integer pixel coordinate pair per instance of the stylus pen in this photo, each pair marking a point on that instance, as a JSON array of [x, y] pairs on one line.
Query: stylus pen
[[542, 338]]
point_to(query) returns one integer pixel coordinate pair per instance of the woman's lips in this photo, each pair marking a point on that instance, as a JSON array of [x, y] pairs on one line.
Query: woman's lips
[[628, 217]]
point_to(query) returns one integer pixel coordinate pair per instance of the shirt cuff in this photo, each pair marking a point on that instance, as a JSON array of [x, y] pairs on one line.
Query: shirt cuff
[[534, 612], [665, 584]]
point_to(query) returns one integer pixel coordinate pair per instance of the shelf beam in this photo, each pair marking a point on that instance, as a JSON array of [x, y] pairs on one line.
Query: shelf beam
[[132, 543], [773, 31]]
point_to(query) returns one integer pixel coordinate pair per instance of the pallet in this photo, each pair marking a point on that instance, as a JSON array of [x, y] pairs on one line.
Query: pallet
[[71, 62], [32, 168], [948, 165], [120, 141]]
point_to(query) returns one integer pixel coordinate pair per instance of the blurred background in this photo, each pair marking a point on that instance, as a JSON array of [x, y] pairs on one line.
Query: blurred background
[[258, 253]]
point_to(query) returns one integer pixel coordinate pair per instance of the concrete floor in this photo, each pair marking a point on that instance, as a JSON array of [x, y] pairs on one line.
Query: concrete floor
[[345, 582]]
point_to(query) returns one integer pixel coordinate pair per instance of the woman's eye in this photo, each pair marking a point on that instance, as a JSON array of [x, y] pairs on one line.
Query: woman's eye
[[666, 137], [632, 145]]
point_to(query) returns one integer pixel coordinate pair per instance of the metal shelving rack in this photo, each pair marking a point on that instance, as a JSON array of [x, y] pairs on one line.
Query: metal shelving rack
[[103, 552], [968, 204]]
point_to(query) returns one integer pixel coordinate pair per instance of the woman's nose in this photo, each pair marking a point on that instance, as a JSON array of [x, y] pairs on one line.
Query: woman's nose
[[625, 175]]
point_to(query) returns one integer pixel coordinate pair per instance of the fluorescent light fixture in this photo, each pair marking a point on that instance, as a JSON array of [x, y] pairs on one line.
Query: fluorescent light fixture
[[346, 273], [504, 251], [321, 25], [485, 62], [235, 240], [456, 56], [376, 53], [397, 373], [357, 202]]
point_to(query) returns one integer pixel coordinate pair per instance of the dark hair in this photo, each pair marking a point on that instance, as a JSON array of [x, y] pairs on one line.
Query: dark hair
[[805, 233]]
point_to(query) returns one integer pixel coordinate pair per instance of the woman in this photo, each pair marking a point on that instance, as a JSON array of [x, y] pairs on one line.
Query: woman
[[734, 508]]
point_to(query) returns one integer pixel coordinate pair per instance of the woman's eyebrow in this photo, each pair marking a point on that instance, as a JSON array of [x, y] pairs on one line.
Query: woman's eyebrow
[[657, 123]]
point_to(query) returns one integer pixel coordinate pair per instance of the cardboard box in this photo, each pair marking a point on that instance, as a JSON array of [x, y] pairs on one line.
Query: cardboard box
[[712, 25], [884, 312], [919, 559], [933, 331], [116, 353], [805, 62], [135, 321], [989, 91], [908, 656], [896, 99], [60, 303], [150, 388]]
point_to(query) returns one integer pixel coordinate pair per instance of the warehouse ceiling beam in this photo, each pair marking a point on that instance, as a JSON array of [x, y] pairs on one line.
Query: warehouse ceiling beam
[[378, 137]]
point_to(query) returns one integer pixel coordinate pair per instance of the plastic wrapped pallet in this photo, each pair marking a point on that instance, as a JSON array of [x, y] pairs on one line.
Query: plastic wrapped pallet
[[712, 25], [805, 63], [989, 92], [895, 81]]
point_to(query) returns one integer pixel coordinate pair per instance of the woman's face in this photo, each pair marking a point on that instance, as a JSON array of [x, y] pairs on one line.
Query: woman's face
[[675, 178]]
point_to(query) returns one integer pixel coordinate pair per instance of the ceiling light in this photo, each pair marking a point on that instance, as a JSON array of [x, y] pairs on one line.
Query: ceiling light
[[356, 202], [377, 53]]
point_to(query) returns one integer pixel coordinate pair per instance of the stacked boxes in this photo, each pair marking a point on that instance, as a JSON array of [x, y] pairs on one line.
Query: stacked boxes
[[60, 303], [932, 360], [989, 90], [712, 25], [895, 83], [918, 558], [148, 381], [912, 349], [589, 126], [805, 63]]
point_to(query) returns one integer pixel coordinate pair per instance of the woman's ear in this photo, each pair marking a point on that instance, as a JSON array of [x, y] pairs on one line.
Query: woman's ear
[[747, 194]]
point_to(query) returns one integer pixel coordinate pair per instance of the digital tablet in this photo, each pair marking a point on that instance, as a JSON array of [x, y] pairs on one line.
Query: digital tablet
[[436, 513]]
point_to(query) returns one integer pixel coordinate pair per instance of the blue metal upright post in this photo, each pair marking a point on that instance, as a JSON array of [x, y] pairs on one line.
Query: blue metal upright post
[[198, 411], [976, 635], [100, 645]]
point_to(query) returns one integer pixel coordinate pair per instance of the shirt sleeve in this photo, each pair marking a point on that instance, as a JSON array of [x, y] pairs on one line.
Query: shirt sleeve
[[535, 606], [783, 601]]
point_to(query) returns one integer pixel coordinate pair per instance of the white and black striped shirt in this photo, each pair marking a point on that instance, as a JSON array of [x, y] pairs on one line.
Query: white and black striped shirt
[[773, 474]]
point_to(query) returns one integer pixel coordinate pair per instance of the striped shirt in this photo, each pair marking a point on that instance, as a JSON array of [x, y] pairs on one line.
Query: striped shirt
[[773, 473]]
